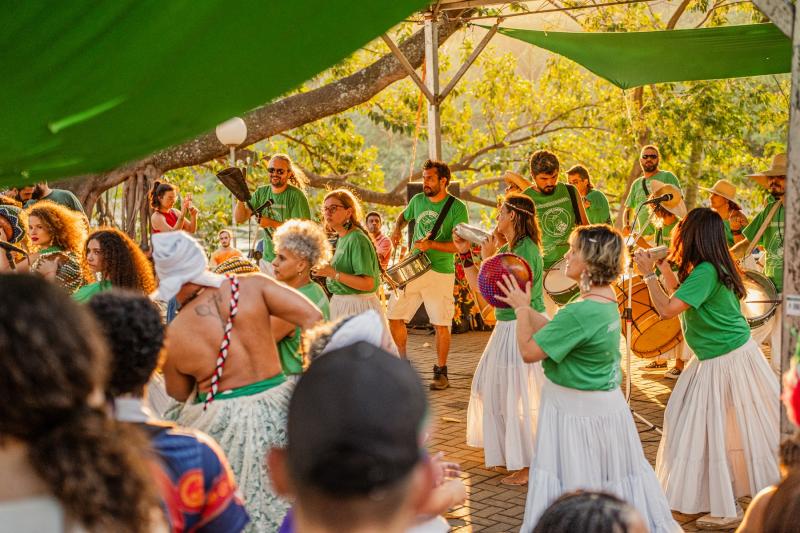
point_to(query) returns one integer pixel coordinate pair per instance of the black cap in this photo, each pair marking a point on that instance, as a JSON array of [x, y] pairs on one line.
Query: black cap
[[355, 421]]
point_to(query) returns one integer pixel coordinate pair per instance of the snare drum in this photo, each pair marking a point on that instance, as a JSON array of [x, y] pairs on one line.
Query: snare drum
[[556, 283], [651, 335], [407, 270], [760, 301]]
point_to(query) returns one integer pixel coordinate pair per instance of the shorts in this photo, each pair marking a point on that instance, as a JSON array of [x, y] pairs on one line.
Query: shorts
[[435, 290]]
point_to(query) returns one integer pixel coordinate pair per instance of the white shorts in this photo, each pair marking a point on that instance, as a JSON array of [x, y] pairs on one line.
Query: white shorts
[[435, 290]]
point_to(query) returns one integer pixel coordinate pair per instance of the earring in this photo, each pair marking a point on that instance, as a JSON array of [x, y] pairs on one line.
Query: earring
[[348, 224], [586, 281]]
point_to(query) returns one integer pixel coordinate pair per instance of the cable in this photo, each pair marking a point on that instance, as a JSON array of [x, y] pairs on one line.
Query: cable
[[559, 9]]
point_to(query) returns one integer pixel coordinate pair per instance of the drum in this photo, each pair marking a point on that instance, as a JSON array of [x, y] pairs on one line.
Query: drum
[[650, 334], [407, 270], [760, 302], [556, 283]]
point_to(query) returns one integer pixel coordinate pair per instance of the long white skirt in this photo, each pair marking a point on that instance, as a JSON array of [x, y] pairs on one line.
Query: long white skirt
[[353, 304], [246, 428], [588, 440], [721, 432], [504, 400]]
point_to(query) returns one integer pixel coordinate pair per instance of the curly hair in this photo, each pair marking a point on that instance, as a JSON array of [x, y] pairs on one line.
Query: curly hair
[[544, 162], [7, 200], [124, 263], [603, 250], [133, 329], [66, 227], [306, 240], [157, 192], [442, 169], [588, 512], [525, 220], [55, 363]]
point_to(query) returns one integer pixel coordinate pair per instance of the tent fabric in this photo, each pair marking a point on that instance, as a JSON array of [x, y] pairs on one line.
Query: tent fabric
[[632, 59], [89, 86]]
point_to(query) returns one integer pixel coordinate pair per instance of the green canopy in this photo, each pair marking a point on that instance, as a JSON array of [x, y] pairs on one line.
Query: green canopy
[[639, 58], [91, 85]]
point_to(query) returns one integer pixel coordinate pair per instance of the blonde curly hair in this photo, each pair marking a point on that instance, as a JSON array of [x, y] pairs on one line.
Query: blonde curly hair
[[603, 250], [306, 240]]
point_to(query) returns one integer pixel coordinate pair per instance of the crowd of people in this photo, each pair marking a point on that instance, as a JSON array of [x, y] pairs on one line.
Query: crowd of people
[[174, 393]]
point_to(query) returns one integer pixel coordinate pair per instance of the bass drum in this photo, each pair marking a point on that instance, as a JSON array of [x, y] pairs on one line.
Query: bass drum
[[759, 303], [651, 335], [556, 283]]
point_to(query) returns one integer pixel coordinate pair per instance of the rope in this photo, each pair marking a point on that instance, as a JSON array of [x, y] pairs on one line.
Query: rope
[[226, 341], [420, 100], [560, 9]]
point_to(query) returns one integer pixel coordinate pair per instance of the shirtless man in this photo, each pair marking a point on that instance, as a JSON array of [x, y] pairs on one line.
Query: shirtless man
[[247, 411]]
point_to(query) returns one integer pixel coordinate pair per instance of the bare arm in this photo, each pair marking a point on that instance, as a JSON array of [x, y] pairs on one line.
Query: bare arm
[[399, 224], [190, 225], [668, 277], [241, 212], [359, 283], [288, 304], [178, 385], [667, 307], [528, 320], [281, 328], [159, 222]]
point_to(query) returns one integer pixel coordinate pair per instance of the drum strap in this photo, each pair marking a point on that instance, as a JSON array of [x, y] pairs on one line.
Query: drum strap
[[763, 227], [440, 219], [573, 196]]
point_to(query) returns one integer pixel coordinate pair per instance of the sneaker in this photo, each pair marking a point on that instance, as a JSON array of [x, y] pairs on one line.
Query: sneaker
[[709, 522], [440, 381], [672, 373], [656, 364]]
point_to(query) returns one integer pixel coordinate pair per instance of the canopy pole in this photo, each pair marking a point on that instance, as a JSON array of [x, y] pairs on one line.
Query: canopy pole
[[470, 60], [432, 83], [404, 62]]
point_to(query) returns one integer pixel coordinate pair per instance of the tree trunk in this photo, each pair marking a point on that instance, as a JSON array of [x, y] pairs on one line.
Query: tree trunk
[[642, 138]]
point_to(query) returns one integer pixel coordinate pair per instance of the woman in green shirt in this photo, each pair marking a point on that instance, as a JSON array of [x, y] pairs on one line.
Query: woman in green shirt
[[501, 417], [300, 246], [115, 261], [586, 437], [353, 273], [721, 425]]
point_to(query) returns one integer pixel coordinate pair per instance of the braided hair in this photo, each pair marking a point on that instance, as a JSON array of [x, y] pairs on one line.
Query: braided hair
[[587, 512]]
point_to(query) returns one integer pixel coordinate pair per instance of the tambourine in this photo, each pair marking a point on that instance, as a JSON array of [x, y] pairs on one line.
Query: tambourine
[[472, 234]]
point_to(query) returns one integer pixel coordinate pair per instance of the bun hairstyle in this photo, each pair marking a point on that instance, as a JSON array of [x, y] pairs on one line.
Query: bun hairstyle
[[157, 192]]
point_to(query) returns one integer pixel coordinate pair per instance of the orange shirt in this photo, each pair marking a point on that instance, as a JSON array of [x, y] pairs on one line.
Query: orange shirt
[[222, 255]]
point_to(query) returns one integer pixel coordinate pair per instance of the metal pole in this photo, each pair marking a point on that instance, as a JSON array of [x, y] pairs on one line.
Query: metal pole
[[233, 201], [432, 82]]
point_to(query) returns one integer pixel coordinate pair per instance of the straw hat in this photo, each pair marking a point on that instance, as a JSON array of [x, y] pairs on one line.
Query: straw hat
[[723, 188], [512, 178], [674, 206], [779, 166]]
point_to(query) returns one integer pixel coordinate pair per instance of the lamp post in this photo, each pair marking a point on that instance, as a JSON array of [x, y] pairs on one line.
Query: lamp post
[[232, 133]]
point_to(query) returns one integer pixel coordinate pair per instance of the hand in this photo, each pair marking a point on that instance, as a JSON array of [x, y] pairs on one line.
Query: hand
[[193, 210], [586, 203], [423, 245], [513, 295], [325, 271], [185, 207], [395, 238], [462, 245], [488, 248], [643, 260]]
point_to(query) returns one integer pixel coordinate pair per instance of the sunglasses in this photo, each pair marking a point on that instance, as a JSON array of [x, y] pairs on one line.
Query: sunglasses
[[278, 171], [649, 156]]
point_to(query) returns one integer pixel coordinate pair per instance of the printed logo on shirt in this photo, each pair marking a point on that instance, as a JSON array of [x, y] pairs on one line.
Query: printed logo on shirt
[[555, 221], [425, 222]]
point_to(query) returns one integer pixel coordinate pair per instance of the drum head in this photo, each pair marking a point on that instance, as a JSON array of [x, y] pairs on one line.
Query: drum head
[[759, 303]]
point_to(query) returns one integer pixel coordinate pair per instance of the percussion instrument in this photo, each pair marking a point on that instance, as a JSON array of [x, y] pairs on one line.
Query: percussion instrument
[[407, 270], [556, 283], [472, 234], [650, 334], [761, 300], [493, 269]]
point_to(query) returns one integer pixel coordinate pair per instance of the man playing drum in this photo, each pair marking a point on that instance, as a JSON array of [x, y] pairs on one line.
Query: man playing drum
[[771, 238], [559, 210], [435, 287]]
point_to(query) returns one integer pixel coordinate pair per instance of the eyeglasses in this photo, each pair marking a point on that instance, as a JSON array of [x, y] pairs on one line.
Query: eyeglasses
[[332, 208], [278, 171], [649, 156]]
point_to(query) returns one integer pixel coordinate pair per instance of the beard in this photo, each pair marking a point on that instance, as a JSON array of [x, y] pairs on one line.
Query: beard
[[649, 166], [430, 192], [38, 192], [548, 190]]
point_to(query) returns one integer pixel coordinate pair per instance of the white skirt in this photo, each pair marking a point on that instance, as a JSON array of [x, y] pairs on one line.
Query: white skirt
[[588, 440], [721, 432], [343, 305], [501, 417]]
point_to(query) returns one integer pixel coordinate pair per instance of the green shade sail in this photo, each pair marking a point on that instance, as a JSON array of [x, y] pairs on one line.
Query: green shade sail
[[640, 58], [89, 86]]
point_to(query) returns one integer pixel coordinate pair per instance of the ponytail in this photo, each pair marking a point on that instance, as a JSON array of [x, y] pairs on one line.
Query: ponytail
[[158, 190]]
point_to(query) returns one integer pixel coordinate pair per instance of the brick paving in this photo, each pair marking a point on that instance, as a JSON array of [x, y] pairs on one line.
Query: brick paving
[[491, 506]]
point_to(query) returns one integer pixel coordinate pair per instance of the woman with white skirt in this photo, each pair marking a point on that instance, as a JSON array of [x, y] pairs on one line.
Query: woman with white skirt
[[721, 425], [501, 417], [354, 273], [586, 437]]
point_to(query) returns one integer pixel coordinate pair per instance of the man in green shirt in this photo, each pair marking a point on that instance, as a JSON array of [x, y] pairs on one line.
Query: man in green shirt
[[594, 202], [774, 179], [641, 189], [60, 196], [284, 201], [435, 287]]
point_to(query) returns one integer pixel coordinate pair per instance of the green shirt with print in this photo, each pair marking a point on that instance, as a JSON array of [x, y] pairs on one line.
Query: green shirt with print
[[287, 204], [61, 197], [424, 214], [85, 293], [556, 219], [598, 211], [713, 325], [582, 346], [771, 240], [526, 249], [355, 254], [289, 346], [637, 195]]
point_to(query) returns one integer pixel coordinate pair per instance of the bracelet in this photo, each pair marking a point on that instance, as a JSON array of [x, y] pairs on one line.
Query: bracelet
[[337, 276], [648, 277], [465, 256]]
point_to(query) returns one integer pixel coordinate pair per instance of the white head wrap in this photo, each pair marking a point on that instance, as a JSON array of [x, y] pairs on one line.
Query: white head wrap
[[366, 327], [179, 260]]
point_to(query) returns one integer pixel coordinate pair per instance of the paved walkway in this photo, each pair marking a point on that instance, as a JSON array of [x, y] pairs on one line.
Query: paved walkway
[[491, 506]]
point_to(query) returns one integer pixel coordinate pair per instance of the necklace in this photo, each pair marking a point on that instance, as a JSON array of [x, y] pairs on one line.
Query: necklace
[[191, 297], [589, 293]]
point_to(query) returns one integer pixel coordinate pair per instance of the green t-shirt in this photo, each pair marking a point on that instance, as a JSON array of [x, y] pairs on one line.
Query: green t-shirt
[[85, 293], [714, 324], [598, 211], [289, 346], [62, 197], [526, 249], [637, 196], [582, 346], [728, 232], [771, 240], [424, 213], [288, 204], [556, 219], [355, 254]]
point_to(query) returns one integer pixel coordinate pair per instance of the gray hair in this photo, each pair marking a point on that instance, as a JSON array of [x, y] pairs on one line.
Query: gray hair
[[306, 240]]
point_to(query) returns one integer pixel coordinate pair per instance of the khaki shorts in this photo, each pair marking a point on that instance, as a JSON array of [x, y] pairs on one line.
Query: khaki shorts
[[435, 290]]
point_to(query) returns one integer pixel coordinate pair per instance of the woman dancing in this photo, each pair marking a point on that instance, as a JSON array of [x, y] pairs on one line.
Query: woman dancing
[[165, 217], [586, 437], [721, 424], [501, 417]]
